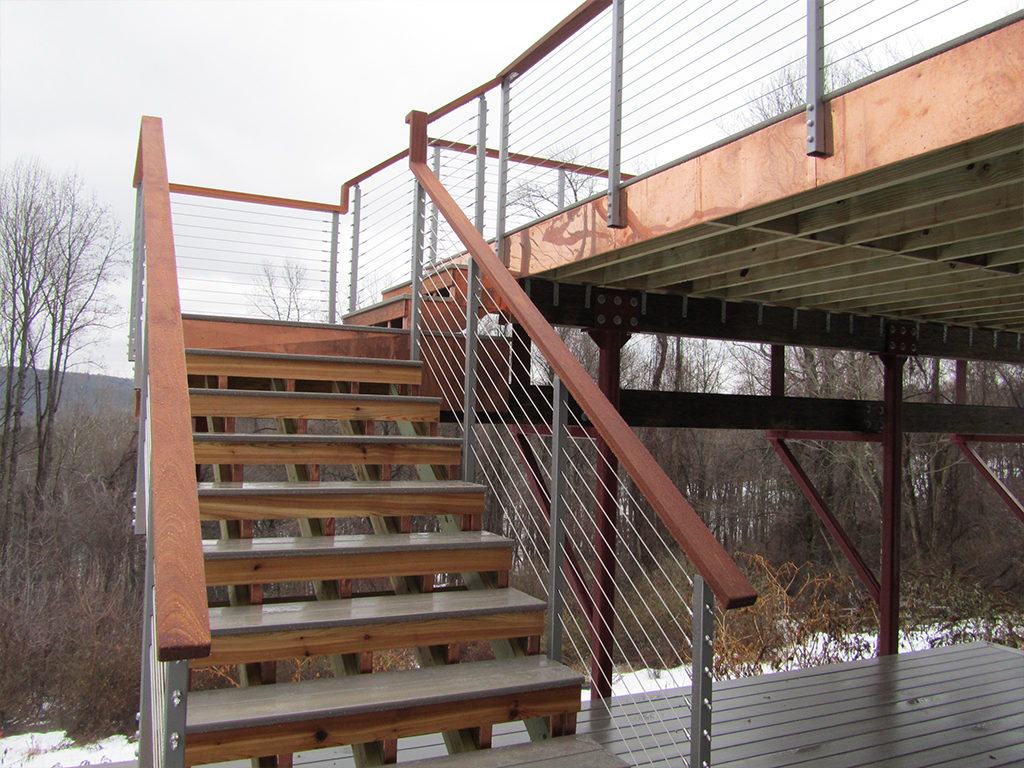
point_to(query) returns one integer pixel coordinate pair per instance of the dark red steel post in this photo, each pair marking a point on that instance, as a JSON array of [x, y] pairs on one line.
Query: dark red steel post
[[601, 640], [892, 463]]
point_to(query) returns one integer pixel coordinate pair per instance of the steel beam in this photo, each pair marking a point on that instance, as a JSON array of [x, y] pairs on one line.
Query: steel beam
[[1008, 496]]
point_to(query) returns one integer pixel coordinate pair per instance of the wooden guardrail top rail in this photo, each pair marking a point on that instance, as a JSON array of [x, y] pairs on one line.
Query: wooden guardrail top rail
[[729, 584], [182, 618]]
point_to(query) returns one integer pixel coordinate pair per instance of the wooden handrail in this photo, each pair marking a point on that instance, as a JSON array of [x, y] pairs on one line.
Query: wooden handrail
[[565, 29], [247, 197], [729, 584], [182, 618]]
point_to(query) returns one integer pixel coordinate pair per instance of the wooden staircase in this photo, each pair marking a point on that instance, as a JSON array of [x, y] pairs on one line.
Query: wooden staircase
[[328, 440]]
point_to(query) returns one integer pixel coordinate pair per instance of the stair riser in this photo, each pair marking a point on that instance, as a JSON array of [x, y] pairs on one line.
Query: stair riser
[[267, 570], [212, 365], [238, 649], [296, 408], [298, 453], [284, 738], [348, 505]]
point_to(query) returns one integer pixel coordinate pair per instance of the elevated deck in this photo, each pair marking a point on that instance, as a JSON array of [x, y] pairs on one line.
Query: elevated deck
[[955, 706]]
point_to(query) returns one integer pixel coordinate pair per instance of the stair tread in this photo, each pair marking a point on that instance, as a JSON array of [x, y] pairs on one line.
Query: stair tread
[[211, 711], [563, 752], [320, 396], [283, 356], [339, 487], [430, 606], [291, 546], [245, 437]]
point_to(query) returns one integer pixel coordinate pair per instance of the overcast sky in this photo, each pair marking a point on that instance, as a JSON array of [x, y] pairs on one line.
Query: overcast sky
[[283, 98]]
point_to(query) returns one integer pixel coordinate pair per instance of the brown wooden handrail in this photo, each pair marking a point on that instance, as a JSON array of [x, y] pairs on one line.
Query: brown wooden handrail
[[182, 618], [565, 29], [729, 584], [247, 197]]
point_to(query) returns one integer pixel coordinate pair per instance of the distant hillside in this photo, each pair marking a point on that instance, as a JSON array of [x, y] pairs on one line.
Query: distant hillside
[[93, 391]]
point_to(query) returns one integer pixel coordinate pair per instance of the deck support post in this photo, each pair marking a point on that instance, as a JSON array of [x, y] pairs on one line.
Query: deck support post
[[892, 487], [609, 344], [778, 371], [556, 531], [701, 674]]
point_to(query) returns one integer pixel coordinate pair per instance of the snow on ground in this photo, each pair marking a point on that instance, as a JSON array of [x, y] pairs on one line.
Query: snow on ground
[[56, 750]]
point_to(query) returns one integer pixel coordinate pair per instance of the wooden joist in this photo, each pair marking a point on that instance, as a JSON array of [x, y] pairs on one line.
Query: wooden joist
[[233, 724], [323, 558], [397, 498], [312, 405], [324, 449], [288, 630], [215, 362]]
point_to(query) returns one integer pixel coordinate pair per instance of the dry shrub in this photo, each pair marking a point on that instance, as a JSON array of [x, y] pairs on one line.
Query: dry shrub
[[804, 616]]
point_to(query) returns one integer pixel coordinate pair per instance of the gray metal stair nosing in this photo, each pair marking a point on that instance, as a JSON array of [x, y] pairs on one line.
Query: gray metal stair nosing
[[241, 437], [344, 488], [528, 605], [314, 546], [293, 357], [326, 396]]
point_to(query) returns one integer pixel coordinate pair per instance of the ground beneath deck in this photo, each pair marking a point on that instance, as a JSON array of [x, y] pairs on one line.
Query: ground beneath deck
[[961, 705]]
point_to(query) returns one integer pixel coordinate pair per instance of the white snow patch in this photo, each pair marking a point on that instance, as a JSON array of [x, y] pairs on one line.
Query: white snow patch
[[56, 750]]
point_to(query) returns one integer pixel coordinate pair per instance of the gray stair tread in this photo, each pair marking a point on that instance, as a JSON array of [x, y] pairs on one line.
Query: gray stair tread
[[324, 396], [261, 706], [291, 546], [244, 438], [341, 487], [563, 752], [311, 358], [387, 609]]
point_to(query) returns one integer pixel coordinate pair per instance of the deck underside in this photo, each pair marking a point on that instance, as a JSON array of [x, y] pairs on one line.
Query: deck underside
[[956, 706]]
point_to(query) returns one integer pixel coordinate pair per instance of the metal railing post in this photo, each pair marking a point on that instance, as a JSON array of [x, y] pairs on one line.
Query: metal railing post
[[138, 264], [816, 139], [469, 382], [556, 534], [561, 188], [175, 706], [332, 284], [615, 217], [499, 227], [434, 213], [418, 204], [353, 278], [703, 665], [481, 164]]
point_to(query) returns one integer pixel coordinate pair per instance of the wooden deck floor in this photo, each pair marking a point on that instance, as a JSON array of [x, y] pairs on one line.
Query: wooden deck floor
[[956, 706]]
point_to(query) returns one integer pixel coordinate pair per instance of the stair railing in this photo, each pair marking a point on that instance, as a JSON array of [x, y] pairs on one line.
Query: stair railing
[[176, 624], [575, 489]]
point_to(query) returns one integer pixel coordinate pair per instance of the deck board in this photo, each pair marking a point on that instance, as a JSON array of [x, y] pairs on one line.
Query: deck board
[[960, 705]]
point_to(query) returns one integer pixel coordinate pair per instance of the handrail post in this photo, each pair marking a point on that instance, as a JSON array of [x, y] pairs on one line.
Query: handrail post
[[561, 188], [469, 384], [332, 285], [434, 214], [703, 664], [481, 164], [175, 706], [556, 533], [135, 311], [615, 217], [499, 231], [417, 270], [816, 138], [353, 279]]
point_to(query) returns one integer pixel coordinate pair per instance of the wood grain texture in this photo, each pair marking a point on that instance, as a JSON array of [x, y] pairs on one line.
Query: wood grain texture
[[319, 449], [562, 752], [182, 623], [264, 561], [297, 405], [258, 633], [264, 501], [303, 367]]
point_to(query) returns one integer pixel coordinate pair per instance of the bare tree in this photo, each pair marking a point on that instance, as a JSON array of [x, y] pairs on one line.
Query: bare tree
[[281, 293], [59, 250]]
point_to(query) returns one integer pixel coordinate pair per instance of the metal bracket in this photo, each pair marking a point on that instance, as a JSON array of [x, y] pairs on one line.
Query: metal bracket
[[618, 310], [900, 339]]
